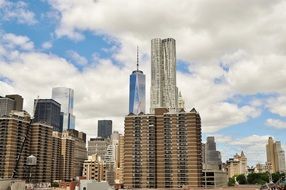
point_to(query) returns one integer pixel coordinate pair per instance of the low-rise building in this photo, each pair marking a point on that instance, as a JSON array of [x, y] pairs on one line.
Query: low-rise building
[[237, 165]]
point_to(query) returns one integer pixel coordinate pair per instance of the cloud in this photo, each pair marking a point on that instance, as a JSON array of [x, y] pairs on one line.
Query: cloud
[[97, 96], [47, 45], [276, 123], [17, 11], [13, 41], [254, 147], [277, 105], [76, 58]]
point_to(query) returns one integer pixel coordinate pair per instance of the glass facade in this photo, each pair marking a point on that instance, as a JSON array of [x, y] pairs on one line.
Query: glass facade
[[48, 112], [65, 96], [104, 128], [137, 92]]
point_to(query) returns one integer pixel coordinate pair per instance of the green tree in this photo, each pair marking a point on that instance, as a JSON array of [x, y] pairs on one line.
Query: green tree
[[241, 179], [231, 181]]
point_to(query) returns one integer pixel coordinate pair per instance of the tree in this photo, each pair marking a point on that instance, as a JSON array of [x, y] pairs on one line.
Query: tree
[[231, 181], [241, 179]]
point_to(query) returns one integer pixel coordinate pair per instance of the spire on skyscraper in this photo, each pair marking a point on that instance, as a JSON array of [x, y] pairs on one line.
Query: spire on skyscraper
[[137, 58]]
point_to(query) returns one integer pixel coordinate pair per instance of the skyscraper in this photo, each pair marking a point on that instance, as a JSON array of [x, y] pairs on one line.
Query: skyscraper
[[275, 155], [47, 111], [65, 96], [9, 103], [137, 91], [164, 92], [6, 106], [211, 155], [213, 175], [18, 104], [162, 150], [104, 128], [13, 129]]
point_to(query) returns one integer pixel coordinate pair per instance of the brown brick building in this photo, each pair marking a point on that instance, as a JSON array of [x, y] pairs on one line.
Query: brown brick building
[[41, 146], [13, 129], [162, 150]]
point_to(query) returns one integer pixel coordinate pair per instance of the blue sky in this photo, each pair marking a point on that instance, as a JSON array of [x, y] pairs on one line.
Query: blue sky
[[229, 66]]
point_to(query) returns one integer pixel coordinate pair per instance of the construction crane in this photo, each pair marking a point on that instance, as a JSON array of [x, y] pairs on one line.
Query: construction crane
[[24, 141]]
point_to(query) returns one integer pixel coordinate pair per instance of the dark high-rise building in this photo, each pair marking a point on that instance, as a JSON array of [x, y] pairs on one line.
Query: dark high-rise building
[[104, 128], [137, 90], [162, 150], [18, 101], [47, 111]]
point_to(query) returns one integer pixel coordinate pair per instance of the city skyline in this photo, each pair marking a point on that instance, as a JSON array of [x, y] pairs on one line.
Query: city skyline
[[237, 85]]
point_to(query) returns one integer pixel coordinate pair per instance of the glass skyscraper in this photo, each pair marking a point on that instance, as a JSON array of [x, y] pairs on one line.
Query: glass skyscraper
[[47, 111], [137, 91], [104, 128], [65, 96]]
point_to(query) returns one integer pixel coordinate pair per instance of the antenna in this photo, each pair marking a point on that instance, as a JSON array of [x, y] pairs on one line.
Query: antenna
[[137, 58]]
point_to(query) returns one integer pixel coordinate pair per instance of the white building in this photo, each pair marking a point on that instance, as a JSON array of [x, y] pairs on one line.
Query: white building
[[164, 92]]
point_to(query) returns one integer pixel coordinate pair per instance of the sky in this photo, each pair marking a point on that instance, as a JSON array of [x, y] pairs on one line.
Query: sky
[[231, 61]]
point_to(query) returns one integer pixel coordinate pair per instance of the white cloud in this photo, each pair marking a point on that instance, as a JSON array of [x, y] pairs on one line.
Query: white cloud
[[277, 105], [12, 41], [254, 147], [76, 58], [47, 45], [17, 11], [276, 123]]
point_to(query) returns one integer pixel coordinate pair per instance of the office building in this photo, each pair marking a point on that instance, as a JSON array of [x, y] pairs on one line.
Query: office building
[[94, 169], [213, 175], [162, 150], [13, 129], [41, 146], [67, 160], [56, 155], [98, 146], [47, 111], [65, 96], [237, 165], [137, 90], [6, 106], [275, 156], [104, 128], [79, 150], [18, 101], [164, 92], [212, 157], [119, 162]]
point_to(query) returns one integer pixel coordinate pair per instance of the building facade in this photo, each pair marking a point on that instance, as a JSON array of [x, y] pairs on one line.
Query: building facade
[[47, 111], [104, 128], [94, 169], [13, 129], [137, 95], [213, 174], [65, 96], [79, 150], [164, 92], [41, 146], [162, 150], [236, 165], [18, 101], [6, 106], [275, 156], [98, 146]]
